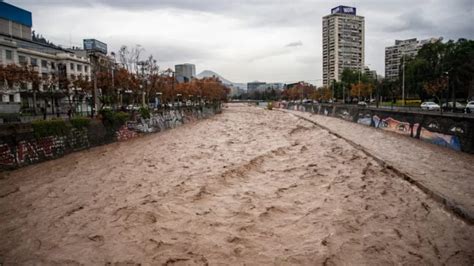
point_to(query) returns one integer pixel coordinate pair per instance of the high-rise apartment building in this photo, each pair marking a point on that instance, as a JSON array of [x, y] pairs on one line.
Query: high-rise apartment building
[[185, 72], [402, 49], [343, 42]]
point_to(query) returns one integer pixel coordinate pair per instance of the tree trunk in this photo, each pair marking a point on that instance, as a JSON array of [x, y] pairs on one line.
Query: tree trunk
[[35, 110]]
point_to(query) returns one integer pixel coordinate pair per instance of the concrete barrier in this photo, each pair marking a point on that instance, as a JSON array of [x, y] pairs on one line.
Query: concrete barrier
[[452, 131], [19, 145]]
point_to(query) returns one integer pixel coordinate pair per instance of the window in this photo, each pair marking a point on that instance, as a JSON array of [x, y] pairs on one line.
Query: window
[[86, 68], [44, 63], [53, 65], [79, 67], [22, 60], [12, 98], [73, 77], [72, 66], [9, 54], [34, 62]]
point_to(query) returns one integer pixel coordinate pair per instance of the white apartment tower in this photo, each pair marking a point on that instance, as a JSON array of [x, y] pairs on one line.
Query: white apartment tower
[[395, 54], [343, 43]]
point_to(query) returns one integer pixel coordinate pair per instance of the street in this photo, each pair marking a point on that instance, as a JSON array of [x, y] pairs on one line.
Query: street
[[248, 186]]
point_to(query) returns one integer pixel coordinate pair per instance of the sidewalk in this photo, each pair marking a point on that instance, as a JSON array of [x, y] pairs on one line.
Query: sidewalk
[[446, 175]]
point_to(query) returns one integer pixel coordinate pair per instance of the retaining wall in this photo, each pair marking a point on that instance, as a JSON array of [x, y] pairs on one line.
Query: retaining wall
[[455, 132], [20, 147]]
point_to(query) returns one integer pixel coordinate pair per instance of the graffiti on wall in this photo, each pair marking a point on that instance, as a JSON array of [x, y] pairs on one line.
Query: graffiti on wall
[[344, 114], [450, 141], [365, 120], [407, 129], [392, 125], [429, 133]]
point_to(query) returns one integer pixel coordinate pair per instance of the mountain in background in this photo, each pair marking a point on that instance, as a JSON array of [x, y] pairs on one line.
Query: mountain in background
[[209, 74]]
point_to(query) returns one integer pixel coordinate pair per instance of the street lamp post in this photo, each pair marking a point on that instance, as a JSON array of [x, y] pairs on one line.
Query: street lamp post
[[178, 96], [403, 81], [159, 94]]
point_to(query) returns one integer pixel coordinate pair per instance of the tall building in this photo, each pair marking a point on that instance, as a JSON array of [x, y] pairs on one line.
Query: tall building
[[14, 21], [372, 74], [343, 42], [185, 72], [402, 49]]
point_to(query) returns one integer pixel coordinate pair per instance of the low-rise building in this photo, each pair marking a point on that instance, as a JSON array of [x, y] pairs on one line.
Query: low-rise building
[[56, 67]]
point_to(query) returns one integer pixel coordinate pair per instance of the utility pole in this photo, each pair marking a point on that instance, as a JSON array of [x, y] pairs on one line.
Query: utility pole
[[377, 87], [94, 90], [343, 93], [358, 89], [333, 84], [403, 80]]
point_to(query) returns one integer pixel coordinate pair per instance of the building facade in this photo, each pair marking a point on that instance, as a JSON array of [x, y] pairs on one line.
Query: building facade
[[395, 54], [14, 21], [185, 72], [253, 86], [343, 43], [57, 68]]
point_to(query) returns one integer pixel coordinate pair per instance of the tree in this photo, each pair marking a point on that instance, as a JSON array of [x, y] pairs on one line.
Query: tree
[[436, 88], [434, 61]]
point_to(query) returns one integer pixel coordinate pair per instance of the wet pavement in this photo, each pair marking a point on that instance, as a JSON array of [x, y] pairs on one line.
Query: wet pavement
[[248, 186]]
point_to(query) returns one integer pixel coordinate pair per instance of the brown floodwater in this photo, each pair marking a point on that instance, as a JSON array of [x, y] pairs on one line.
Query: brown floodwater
[[248, 186]]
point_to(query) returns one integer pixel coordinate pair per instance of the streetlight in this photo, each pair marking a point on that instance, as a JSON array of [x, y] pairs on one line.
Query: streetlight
[[447, 91], [159, 94], [403, 80], [179, 100]]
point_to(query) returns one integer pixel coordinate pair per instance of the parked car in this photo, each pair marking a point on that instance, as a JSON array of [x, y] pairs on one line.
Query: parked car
[[430, 106], [132, 107], [362, 104], [450, 107], [470, 107]]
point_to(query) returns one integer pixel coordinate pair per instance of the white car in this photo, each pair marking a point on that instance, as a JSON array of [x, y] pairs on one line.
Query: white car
[[362, 104], [470, 107], [429, 106]]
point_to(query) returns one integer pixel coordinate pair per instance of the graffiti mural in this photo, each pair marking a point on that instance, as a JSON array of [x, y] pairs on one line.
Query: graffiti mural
[[344, 114], [394, 125], [450, 141], [365, 120], [429, 132]]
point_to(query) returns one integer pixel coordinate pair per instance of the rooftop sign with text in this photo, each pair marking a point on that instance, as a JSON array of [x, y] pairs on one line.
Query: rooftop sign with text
[[93, 45], [344, 10]]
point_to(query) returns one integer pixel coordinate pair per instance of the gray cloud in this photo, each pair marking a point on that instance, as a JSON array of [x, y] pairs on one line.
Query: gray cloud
[[294, 44], [411, 21], [232, 33]]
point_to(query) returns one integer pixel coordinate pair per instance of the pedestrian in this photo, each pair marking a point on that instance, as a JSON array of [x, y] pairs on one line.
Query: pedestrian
[[69, 113]]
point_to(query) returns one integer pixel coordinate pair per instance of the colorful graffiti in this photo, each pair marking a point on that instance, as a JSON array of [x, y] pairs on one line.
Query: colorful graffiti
[[405, 128], [450, 141], [428, 133], [394, 125], [365, 120]]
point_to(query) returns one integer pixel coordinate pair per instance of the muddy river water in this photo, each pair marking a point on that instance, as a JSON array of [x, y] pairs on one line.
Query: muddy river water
[[248, 186]]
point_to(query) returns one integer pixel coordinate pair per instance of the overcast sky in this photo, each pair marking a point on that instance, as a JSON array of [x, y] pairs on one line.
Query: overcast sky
[[246, 40]]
